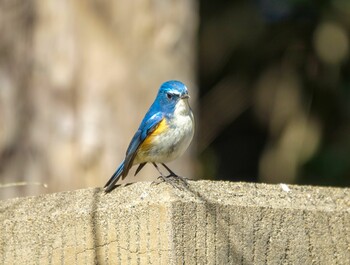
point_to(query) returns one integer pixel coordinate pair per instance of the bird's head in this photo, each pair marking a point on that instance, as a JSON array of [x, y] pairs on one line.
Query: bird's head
[[172, 96]]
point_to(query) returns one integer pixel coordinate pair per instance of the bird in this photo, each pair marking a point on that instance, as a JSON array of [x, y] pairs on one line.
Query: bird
[[164, 134]]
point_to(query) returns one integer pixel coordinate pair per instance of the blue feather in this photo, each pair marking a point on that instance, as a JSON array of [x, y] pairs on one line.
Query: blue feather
[[111, 182]]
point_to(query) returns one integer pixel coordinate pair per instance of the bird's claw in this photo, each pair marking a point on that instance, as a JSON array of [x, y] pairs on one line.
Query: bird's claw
[[172, 178], [165, 179]]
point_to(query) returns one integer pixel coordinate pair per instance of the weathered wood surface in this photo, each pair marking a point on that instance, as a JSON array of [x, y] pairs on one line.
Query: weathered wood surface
[[208, 223]]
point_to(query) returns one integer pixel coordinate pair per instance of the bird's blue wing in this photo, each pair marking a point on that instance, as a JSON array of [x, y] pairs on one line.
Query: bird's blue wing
[[148, 125]]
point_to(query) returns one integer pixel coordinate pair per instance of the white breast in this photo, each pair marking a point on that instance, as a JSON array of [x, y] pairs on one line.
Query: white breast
[[172, 143]]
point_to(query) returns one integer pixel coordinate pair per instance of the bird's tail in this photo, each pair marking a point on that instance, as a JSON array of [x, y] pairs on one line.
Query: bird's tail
[[111, 182]]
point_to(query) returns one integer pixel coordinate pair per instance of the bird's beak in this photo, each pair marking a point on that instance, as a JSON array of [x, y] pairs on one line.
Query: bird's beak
[[185, 96]]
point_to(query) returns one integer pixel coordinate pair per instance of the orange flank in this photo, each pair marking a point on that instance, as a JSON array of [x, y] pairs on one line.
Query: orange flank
[[161, 127]]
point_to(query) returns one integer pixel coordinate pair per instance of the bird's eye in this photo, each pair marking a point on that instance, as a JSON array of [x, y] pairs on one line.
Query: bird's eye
[[169, 96]]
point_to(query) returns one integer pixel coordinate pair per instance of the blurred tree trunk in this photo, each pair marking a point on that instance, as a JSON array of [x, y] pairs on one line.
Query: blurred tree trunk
[[76, 78]]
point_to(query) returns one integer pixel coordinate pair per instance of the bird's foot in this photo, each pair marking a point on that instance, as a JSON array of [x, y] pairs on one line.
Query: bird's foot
[[177, 177], [165, 179], [172, 179], [168, 180]]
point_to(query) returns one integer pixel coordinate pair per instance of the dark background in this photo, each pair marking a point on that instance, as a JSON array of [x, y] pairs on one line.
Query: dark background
[[274, 75]]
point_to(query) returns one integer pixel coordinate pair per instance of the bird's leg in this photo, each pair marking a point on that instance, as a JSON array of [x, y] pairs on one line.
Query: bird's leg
[[172, 174], [164, 178]]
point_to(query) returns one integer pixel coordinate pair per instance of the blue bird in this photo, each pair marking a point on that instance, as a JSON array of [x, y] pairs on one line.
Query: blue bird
[[164, 134]]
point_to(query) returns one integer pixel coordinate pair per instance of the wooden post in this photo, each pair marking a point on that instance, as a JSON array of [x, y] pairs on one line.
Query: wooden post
[[208, 223]]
